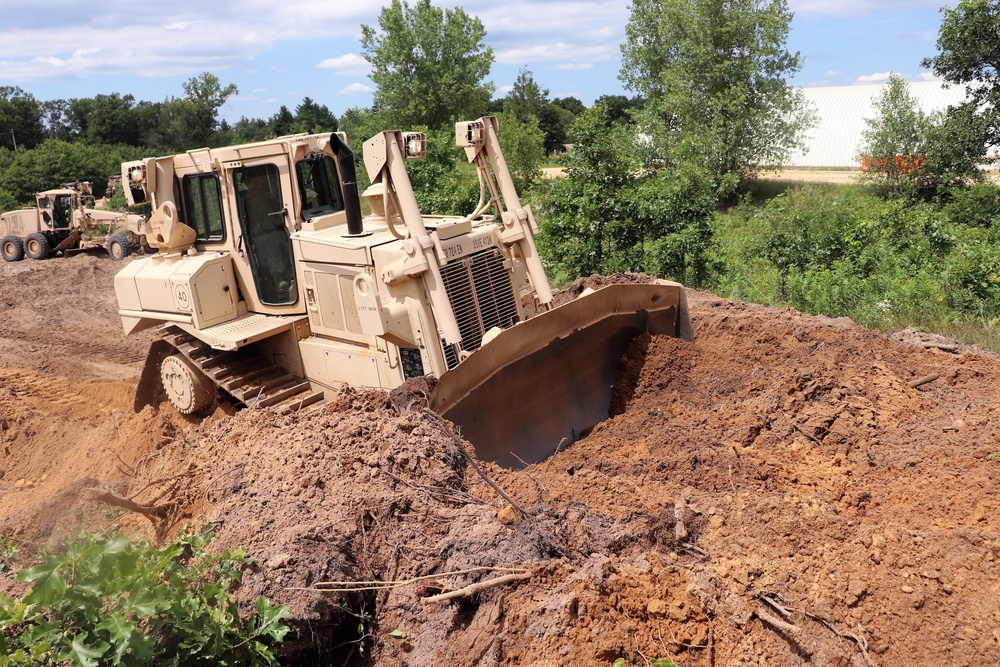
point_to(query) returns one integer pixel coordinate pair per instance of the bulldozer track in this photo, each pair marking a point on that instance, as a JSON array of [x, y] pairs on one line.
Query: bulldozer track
[[242, 376]]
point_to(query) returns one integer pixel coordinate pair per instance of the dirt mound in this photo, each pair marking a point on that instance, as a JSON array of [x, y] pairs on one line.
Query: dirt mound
[[786, 490]]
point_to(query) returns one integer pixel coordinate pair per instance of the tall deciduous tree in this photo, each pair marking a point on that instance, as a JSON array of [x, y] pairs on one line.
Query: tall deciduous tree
[[969, 53], [194, 118], [611, 215], [894, 142], [714, 75], [429, 64], [917, 155], [20, 118], [529, 102]]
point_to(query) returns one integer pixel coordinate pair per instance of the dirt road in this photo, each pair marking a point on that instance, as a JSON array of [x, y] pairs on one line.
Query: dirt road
[[783, 491]]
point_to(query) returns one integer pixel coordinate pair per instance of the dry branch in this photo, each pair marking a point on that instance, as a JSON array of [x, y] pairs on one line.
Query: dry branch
[[778, 624], [922, 380], [472, 589], [482, 473], [153, 513], [351, 586]]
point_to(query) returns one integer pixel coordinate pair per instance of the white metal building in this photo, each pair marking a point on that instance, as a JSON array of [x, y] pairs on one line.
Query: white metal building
[[842, 111]]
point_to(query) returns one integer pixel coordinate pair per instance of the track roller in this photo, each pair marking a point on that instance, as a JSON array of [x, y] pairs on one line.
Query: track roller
[[185, 385]]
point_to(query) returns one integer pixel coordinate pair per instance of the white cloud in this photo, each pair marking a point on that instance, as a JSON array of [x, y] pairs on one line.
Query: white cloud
[[357, 89], [574, 67], [180, 38], [930, 76], [833, 73], [349, 64], [875, 78], [557, 51]]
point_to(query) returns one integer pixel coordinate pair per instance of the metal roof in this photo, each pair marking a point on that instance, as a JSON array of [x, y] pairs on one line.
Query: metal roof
[[842, 111]]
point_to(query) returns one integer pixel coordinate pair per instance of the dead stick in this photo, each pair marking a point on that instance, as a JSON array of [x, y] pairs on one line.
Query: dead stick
[[778, 623], [558, 447], [861, 642], [811, 437], [111, 499], [472, 589], [482, 473], [352, 585], [922, 381], [777, 607]]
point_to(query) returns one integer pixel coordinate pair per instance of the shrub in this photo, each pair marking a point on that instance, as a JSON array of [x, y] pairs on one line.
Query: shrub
[[106, 601], [610, 215], [978, 206]]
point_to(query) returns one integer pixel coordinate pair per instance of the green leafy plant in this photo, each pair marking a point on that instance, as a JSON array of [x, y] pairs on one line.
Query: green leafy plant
[[104, 600], [662, 662], [8, 549]]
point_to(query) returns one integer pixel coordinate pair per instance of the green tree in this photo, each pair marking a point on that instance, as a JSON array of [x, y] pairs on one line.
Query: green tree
[[55, 120], [609, 214], [429, 64], [248, 130], [113, 119], [281, 122], [526, 99], [969, 53], [714, 74], [523, 145], [894, 143], [55, 162], [915, 155], [571, 104], [20, 118], [530, 104], [194, 118], [620, 107], [311, 117]]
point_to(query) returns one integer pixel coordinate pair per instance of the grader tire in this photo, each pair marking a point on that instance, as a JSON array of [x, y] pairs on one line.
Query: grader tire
[[36, 246], [119, 248], [12, 249], [185, 385]]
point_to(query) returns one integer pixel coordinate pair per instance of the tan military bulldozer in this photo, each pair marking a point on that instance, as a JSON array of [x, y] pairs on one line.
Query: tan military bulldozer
[[270, 288]]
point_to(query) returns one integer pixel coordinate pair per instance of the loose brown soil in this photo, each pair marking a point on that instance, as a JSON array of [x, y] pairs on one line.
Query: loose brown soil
[[775, 493]]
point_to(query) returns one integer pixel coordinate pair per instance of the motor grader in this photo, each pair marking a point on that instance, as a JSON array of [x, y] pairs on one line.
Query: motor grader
[[271, 289], [62, 220]]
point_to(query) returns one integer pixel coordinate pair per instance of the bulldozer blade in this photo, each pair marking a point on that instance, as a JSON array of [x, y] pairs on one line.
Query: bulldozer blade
[[540, 384]]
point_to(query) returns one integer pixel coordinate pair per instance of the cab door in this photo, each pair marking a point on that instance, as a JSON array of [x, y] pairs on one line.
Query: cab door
[[263, 214]]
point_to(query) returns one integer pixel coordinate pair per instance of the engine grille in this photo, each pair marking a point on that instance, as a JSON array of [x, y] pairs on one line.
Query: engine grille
[[481, 294]]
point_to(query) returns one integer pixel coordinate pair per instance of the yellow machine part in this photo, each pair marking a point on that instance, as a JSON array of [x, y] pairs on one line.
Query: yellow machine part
[[543, 382]]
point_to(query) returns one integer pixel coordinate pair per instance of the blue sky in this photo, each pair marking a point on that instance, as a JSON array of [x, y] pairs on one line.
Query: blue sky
[[278, 53]]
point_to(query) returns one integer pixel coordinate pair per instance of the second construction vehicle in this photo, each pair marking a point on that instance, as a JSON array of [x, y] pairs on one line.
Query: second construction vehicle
[[272, 289], [63, 220]]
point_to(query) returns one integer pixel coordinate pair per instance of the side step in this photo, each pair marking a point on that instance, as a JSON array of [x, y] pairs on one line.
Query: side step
[[243, 377]]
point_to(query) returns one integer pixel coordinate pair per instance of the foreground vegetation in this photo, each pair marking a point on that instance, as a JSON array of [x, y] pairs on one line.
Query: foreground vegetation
[[104, 600]]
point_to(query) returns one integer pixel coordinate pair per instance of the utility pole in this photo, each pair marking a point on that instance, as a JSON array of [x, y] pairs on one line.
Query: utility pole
[[14, 139]]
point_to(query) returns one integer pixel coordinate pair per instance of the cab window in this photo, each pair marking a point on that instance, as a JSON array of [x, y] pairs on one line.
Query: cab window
[[203, 206], [319, 186]]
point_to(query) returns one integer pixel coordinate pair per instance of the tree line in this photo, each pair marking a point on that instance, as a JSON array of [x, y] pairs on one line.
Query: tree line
[[711, 109]]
